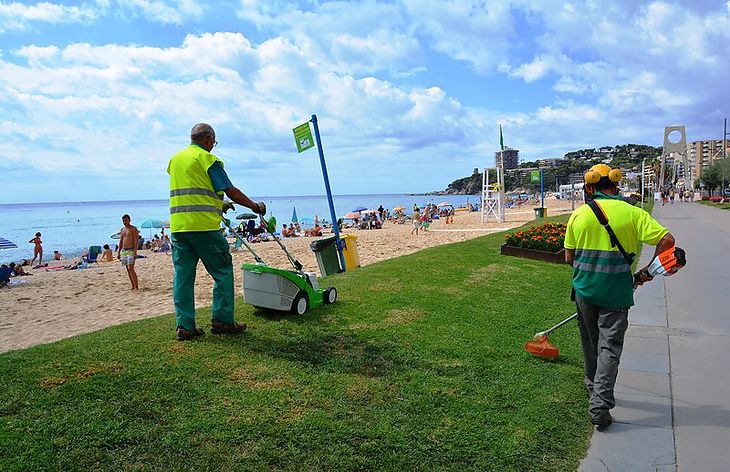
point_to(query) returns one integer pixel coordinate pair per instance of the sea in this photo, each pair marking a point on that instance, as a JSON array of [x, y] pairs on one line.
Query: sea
[[71, 227]]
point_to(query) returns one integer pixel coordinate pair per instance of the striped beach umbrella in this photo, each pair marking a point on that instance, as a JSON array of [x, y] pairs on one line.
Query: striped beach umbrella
[[5, 244]]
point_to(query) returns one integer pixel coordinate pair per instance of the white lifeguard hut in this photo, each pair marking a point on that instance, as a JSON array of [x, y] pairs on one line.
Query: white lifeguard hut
[[493, 194]]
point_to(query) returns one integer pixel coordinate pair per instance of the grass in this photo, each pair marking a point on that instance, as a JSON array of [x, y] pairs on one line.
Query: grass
[[721, 206], [418, 366]]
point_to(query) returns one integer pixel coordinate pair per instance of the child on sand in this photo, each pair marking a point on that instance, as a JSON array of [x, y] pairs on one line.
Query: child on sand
[[106, 254], [127, 252], [38, 249]]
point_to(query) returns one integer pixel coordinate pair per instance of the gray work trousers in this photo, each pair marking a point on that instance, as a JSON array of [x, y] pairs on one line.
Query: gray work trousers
[[602, 333]]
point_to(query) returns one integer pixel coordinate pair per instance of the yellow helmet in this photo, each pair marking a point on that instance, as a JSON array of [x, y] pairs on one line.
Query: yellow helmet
[[598, 171]]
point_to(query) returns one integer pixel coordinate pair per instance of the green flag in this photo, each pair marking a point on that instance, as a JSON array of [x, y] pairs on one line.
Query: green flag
[[501, 139], [303, 137], [535, 176]]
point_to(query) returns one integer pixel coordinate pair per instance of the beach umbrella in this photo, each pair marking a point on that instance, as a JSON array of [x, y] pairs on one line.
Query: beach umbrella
[[399, 208], [370, 212], [294, 218], [116, 236], [445, 204], [5, 244], [306, 221], [359, 209], [152, 223], [352, 215], [246, 216]]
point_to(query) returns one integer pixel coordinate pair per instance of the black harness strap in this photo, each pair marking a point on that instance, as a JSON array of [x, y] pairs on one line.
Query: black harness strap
[[598, 211]]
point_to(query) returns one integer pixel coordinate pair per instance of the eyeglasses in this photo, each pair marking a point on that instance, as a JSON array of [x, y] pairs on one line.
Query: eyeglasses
[[215, 143]]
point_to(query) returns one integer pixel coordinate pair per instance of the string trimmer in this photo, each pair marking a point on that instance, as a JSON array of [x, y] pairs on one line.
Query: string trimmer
[[666, 263]]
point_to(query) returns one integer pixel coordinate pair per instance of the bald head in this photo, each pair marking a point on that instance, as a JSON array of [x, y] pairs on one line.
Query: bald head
[[200, 132]]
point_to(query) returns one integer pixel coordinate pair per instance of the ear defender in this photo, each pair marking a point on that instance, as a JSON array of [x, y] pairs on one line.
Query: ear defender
[[598, 171]]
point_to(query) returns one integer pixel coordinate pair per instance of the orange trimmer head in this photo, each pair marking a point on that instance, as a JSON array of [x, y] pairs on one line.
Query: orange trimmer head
[[542, 347]]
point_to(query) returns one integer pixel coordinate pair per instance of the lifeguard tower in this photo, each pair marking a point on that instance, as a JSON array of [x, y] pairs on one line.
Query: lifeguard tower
[[493, 194]]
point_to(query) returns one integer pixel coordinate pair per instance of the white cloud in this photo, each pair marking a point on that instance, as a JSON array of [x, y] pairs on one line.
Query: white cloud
[[16, 16]]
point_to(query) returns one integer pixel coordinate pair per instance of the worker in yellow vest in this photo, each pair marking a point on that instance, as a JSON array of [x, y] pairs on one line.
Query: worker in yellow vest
[[197, 185], [602, 280]]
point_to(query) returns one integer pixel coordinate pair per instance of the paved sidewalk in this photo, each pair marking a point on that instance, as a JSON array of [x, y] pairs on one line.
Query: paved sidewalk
[[673, 391]]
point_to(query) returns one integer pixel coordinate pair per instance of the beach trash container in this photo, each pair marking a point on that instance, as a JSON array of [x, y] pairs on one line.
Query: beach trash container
[[540, 212], [349, 251], [326, 252]]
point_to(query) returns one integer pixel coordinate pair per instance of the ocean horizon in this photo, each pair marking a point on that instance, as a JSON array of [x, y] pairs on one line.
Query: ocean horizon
[[71, 227]]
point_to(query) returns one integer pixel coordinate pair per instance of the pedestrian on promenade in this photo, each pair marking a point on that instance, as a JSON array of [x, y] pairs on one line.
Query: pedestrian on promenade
[[197, 184], [603, 284]]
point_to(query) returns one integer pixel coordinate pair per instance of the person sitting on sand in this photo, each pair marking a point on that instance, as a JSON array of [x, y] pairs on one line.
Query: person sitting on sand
[[165, 245], [57, 256], [17, 270], [106, 255]]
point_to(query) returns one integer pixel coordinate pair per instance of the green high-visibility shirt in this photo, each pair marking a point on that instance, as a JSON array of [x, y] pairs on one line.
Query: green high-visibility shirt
[[601, 275]]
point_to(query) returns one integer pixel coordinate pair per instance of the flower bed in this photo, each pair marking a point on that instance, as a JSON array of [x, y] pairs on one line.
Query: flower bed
[[544, 243], [548, 237]]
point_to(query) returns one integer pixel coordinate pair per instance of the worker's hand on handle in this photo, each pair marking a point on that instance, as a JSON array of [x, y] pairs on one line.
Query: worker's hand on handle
[[227, 206], [641, 277], [260, 208]]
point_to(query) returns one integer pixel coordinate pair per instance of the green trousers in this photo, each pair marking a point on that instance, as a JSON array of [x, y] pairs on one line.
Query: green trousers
[[211, 247]]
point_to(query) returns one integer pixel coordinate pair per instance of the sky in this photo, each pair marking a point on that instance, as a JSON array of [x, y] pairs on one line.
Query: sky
[[96, 96]]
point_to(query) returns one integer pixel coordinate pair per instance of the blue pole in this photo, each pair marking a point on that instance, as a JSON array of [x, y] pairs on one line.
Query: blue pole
[[335, 226], [542, 189]]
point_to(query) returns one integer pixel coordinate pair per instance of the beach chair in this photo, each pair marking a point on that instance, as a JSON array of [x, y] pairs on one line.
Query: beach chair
[[94, 252]]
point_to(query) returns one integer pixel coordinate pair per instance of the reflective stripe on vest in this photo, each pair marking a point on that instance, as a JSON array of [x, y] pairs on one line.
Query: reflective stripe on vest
[[194, 203]]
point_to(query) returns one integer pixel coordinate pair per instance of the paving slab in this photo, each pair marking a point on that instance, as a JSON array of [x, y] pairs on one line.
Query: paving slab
[[648, 345], [645, 362], [643, 409], [647, 383], [615, 449]]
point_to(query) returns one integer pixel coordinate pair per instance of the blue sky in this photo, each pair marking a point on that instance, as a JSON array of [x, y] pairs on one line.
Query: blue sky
[[96, 96]]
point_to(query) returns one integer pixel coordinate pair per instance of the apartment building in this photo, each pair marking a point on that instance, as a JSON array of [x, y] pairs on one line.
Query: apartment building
[[511, 157], [701, 154]]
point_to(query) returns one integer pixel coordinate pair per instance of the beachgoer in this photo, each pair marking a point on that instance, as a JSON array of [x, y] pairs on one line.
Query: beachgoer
[[37, 249], [17, 270], [602, 280], [416, 219], [197, 184], [57, 256], [165, 245], [106, 255], [128, 245]]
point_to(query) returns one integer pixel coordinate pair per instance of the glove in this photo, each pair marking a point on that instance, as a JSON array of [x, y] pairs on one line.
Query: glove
[[228, 206], [261, 208]]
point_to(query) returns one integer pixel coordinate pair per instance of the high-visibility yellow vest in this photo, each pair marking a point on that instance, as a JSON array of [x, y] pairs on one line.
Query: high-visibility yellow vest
[[194, 203]]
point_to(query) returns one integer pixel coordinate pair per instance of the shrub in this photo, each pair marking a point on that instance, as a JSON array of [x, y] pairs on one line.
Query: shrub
[[548, 237]]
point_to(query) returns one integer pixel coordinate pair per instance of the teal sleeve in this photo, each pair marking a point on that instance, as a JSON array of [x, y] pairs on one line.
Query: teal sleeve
[[218, 177]]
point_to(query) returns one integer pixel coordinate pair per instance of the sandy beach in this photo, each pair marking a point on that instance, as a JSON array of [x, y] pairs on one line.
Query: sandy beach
[[56, 304]]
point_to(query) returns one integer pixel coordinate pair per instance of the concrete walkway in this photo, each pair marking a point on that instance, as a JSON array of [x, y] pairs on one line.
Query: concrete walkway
[[673, 393]]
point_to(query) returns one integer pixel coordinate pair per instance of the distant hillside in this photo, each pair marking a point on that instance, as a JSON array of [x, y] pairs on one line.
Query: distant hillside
[[627, 157]]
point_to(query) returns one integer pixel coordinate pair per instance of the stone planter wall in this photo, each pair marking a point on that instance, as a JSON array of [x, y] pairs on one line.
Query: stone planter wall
[[554, 257]]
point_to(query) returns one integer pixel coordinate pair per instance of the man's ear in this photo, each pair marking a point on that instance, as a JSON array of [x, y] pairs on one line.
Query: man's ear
[[590, 189]]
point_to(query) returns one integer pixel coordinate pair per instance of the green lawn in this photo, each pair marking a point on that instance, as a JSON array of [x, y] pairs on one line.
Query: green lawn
[[722, 206], [418, 366]]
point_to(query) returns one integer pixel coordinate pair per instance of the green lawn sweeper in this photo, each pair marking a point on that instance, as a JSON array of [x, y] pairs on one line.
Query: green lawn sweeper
[[280, 289]]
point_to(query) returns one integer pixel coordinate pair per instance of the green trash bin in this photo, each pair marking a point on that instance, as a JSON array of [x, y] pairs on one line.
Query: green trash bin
[[540, 212], [327, 258]]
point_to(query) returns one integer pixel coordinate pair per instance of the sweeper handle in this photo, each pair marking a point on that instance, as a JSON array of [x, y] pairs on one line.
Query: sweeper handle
[[227, 222], [294, 262]]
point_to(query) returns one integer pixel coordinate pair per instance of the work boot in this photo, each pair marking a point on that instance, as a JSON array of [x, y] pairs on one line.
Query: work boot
[[186, 335], [227, 328], [602, 419]]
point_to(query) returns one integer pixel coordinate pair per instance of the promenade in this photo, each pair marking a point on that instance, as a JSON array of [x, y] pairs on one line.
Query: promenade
[[673, 392]]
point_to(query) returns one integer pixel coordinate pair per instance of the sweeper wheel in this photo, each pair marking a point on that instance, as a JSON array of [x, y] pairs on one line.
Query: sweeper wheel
[[330, 295], [300, 305]]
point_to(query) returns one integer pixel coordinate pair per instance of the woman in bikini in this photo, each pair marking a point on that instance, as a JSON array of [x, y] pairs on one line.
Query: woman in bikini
[[37, 250]]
